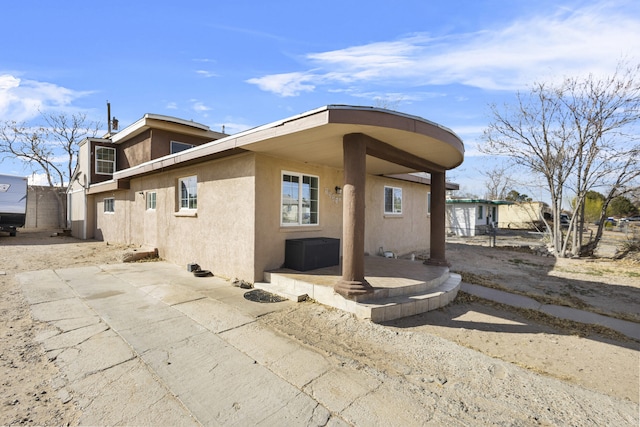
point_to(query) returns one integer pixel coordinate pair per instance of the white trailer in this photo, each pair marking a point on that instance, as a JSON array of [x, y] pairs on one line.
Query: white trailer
[[13, 203]]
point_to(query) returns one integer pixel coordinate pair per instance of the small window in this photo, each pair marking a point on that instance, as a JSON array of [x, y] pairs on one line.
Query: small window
[[480, 212], [151, 200], [105, 160], [109, 205], [299, 203], [429, 203], [392, 200], [177, 147], [188, 192]]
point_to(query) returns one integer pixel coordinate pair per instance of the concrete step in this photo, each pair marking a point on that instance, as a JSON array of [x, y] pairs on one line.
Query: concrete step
[[375, 308], [396, 307], [281, 280]]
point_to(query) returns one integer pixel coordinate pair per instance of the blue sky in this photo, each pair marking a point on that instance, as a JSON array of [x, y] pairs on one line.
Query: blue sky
[[246, 63]]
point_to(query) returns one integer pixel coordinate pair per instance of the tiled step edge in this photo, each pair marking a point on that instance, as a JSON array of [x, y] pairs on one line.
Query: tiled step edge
[[410, 305]]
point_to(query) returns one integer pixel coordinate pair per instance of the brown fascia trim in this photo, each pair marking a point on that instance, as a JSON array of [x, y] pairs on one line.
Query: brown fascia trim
[[158, 121], [339, 114], [421, 180], [395, 120]]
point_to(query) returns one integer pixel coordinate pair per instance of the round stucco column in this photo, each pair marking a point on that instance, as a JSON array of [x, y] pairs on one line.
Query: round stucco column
[[438, 235], [353, 205]]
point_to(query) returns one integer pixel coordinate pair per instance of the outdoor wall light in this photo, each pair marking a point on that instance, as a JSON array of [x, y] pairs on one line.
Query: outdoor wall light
[[338, 190]]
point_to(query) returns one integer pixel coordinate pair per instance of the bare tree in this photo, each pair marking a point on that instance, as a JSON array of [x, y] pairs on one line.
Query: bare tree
[[578, 135], [50, 148], [497, 182]]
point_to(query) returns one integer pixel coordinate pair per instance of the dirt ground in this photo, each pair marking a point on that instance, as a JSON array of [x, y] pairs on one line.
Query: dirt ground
[[32, 390]]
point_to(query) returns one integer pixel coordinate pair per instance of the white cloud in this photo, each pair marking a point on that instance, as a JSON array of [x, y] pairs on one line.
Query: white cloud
[[171, 106], [22, 99], [287, 84], [591, 39], [205, 73], [199, 106]]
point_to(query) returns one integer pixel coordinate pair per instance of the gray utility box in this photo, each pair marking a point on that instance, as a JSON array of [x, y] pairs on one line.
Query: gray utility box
[[311, 253]]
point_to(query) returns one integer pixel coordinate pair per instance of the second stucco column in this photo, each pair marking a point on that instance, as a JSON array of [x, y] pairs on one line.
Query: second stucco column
[[438, 235], [353, 205]]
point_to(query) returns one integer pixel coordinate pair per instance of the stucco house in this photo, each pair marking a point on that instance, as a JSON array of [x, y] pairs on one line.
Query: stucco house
[[471, 217], [230, 203], [524, 215]]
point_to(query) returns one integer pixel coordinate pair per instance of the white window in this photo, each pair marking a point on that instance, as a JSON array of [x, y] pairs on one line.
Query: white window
[[105, 160], [392, 200], [109, 205], [188, 188], [150, 197], [177, 147], [299, 205], [429, 203], [480, 212]]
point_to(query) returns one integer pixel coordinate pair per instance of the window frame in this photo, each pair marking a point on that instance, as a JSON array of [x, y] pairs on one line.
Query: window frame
[[102, 161], [314, 212], [191, 202], [109, 205], [394, 195], [480, 212], [186, 146], [151, 199]]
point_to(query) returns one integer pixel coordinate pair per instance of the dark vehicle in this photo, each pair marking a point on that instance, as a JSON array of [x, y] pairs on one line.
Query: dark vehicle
[[13, 203]]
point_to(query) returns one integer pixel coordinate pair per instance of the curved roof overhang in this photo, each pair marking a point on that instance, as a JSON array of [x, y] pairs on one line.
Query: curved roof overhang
[[317, 137]]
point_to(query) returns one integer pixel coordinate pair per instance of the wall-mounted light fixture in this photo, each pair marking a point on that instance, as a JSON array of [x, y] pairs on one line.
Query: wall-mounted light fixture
[[338, 190]]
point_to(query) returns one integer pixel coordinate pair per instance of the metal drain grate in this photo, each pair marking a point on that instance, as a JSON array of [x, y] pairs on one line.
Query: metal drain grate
[[258, 295]]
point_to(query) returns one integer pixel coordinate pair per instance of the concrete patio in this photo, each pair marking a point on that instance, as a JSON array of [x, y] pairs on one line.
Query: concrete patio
[[401, 288]]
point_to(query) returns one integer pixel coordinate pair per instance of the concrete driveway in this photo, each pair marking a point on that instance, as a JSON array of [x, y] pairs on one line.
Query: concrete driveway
[[150, 344]]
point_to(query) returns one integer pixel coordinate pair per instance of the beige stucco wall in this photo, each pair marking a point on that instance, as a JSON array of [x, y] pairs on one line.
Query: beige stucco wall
[[401, 234], [237, 231], [270, 235], [219, 237], [520, 215]]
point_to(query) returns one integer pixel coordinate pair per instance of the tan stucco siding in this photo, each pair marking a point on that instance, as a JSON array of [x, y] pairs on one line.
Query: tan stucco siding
[[399, 233], [520, 215], [270, 234], [236, 231], [220, 236], [113, 226]]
